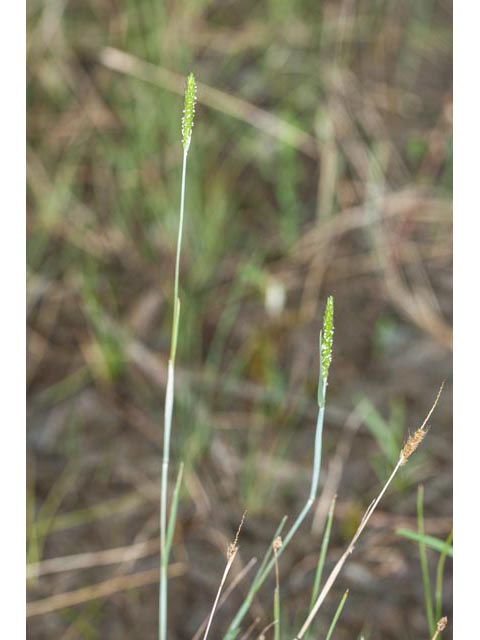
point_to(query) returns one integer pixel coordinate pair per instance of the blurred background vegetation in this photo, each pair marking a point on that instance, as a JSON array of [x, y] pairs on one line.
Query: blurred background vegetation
[[321, 163]]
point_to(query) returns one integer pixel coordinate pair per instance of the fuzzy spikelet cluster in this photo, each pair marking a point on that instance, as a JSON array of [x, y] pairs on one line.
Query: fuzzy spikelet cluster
[[189, 111], [326, 340], [441, 624], [412, 444], [414, 441]]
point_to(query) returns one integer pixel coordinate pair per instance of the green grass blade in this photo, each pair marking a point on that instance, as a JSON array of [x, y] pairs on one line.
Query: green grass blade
[[424, 563], [338, 612], [173, 512], [430, 541], [379, 429], [439, 578]]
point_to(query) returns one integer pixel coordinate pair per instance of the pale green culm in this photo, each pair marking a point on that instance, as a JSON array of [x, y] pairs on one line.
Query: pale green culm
[[167, 528]]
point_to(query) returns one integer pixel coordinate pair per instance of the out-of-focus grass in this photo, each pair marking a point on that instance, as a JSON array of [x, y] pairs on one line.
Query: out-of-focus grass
[[367, 85]]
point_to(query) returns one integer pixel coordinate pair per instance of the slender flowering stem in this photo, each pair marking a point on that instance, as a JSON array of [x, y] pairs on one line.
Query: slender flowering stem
[[326, 344], [165, 544]]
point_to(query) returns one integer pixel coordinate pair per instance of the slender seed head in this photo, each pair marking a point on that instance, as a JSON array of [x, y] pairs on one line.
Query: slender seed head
[[326, 342], [189, 111], [233, 546], [412, 444], [414, 440]]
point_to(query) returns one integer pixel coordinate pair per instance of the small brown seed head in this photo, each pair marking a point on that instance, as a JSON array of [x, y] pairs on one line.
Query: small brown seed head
[[277, 543], [412, 444], [442, 623]]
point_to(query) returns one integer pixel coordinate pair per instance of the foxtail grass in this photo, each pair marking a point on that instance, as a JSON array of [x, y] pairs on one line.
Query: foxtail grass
[[167, 528]]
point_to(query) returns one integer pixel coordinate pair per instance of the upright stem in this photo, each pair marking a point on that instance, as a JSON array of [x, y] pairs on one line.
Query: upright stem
[[167, 428], [180, 233]]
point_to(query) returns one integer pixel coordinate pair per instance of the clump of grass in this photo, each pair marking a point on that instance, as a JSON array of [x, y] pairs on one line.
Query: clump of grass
[[167, 529], [278, 545], [325, 357], [407, 451]]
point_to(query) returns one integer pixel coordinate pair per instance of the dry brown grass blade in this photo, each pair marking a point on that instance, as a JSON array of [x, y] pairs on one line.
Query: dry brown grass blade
[[231, 558], [100, 590], [214, 98], [93, 558]]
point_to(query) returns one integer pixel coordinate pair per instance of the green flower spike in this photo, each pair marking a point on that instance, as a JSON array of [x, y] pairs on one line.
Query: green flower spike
[[326, 347], [189, 111]]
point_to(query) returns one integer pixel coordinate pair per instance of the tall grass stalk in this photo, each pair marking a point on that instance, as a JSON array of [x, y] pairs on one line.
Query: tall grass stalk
[[166, 537], [409, 448], [326, 346]]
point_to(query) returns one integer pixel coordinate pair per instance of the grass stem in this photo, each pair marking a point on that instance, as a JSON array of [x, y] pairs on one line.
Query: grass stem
[[427, 589]]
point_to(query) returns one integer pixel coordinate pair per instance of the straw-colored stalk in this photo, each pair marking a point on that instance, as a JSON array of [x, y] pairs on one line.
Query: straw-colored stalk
[[231, 553], [277, 544], [231, 587], [409, 448]]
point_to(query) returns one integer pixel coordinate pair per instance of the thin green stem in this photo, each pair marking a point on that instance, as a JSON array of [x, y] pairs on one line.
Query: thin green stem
[[323, 552], [424, 563], [167, 428], [337, 615], [176, 300], [439, 578]]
